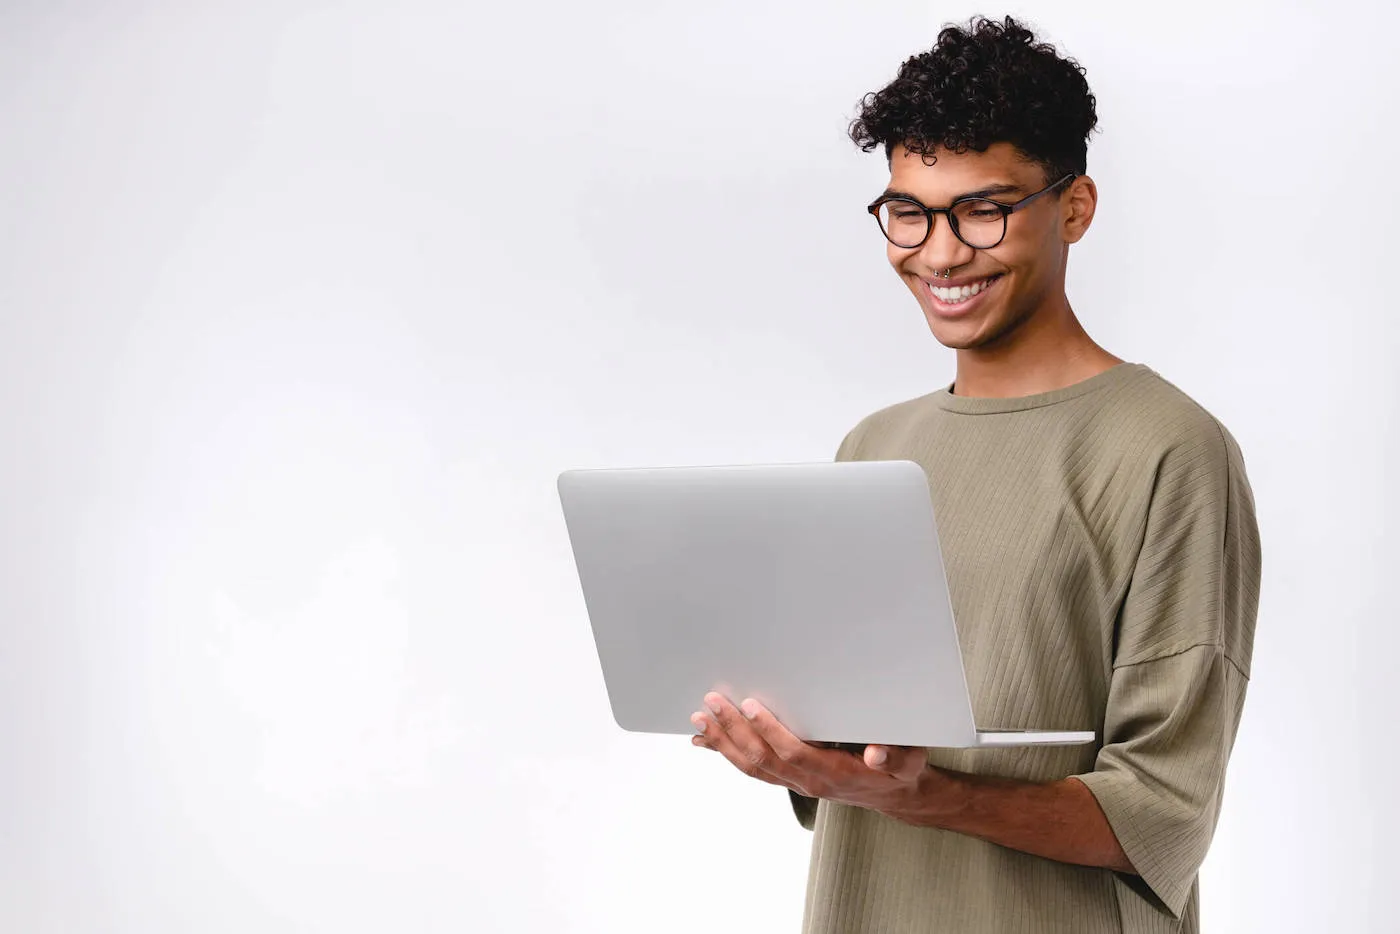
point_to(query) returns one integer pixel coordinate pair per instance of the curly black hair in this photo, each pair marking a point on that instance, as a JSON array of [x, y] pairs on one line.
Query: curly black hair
[[989, 82]]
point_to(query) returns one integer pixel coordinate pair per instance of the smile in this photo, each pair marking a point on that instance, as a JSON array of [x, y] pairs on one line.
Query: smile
[[955, 301], [956, 295]]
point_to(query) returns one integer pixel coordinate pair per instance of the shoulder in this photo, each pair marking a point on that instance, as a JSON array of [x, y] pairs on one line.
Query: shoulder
[[1191, 468], [1160, 421], [1196, 578], [875, 430]]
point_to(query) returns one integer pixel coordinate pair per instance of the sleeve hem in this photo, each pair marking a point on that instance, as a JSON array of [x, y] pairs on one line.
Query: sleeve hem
[[1171, 892], [805, 809]]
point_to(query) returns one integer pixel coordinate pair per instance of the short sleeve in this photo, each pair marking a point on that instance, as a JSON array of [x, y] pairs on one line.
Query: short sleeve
[[803, 807], [1183, 642]]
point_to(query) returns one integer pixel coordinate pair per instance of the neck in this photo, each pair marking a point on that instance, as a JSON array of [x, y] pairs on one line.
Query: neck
[[1048, 351]]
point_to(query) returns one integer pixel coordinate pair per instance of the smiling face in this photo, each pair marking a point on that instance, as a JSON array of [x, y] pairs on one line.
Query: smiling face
[[992, 294]]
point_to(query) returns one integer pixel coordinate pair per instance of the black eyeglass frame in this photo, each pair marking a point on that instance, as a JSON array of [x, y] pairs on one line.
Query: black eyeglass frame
[[1006, 211]]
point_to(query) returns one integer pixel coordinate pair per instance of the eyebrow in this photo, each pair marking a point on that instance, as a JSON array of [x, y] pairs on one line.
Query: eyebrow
[[1002, 188]]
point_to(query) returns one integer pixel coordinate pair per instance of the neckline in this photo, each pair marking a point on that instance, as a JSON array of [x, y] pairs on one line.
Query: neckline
[[988, 405]]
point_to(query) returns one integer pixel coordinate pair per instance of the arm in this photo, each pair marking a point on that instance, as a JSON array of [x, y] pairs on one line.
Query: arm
[[1057, 820]]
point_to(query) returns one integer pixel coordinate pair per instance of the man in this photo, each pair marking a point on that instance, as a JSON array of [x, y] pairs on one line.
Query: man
[[1100, 539]]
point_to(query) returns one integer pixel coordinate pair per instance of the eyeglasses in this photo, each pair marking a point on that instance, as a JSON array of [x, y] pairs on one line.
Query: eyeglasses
[[978, 222]]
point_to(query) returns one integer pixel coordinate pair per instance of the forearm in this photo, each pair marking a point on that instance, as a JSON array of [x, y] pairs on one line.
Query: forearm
[[1059, 820]]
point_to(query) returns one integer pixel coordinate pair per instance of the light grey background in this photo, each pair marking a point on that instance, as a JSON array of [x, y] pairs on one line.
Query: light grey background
[[304, 305]]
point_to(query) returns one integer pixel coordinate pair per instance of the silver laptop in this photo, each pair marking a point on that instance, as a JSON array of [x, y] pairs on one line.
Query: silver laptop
[[817, 589]]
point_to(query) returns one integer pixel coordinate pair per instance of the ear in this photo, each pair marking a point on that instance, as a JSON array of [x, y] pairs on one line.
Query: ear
[[1077, 205]]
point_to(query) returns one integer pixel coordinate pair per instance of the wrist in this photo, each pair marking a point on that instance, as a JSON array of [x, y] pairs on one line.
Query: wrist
[[933, 800]]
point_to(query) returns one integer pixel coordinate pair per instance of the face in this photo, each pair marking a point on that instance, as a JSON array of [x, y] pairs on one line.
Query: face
[[1018, 279]]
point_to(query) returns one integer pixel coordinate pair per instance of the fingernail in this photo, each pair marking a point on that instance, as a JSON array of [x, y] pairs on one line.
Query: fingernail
[[713, 705], [700, 722], [749, 708], [878, 757]]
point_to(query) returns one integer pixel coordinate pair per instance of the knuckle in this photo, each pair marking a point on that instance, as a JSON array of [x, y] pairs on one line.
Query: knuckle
[[757, 757], [792, 755]]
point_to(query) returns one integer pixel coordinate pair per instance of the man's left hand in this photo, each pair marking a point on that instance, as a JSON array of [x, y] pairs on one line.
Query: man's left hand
[[751, 738]]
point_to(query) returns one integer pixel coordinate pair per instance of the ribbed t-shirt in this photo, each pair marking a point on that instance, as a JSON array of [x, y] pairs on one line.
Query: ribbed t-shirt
[[1103, 561]]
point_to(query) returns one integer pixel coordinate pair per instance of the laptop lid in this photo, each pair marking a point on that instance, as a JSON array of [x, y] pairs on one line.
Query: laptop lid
[[817, 589]]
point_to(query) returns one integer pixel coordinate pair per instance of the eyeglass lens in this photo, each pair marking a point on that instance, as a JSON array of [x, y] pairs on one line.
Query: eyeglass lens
[[979, 224]]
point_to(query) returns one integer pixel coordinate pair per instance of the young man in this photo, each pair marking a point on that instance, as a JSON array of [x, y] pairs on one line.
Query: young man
[[1100, 538]]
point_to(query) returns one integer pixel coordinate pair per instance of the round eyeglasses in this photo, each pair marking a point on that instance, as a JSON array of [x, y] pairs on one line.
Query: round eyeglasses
[[978, 222]]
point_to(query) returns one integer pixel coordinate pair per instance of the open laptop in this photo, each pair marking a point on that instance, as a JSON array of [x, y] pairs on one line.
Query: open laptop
[[817, 589]]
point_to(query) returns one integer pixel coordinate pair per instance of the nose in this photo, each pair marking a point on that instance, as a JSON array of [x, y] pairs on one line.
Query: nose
[[943, 249]]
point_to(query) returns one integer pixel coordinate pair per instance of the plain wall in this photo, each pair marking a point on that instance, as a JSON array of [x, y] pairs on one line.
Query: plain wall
[[304, 305]]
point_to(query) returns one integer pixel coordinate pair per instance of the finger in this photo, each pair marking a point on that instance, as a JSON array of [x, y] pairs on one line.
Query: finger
[[746, 739], [714, 736], [784, 743], [704, 730], [877, 758]]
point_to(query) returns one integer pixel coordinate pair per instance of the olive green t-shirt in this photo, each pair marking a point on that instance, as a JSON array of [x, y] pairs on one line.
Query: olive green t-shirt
[[1103, 560]]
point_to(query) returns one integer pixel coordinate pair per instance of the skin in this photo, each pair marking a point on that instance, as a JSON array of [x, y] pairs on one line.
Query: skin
[[1023, 339]]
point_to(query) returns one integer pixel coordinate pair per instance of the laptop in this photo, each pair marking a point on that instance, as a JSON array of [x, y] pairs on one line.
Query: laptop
[[817, 589]]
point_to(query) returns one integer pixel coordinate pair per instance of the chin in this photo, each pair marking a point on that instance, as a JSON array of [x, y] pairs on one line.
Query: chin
[[955, 335], [991, 326], [959, 342]]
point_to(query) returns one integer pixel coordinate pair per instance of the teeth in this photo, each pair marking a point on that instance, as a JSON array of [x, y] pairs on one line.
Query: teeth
[[959, 294]]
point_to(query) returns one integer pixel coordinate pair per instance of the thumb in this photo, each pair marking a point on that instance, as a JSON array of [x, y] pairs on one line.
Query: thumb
[[883, 758], [900, 761]]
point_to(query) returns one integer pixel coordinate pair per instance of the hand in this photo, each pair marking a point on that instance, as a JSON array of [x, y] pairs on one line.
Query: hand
[[751, 738]]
